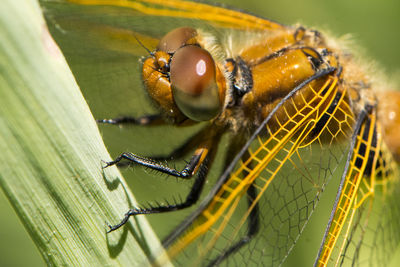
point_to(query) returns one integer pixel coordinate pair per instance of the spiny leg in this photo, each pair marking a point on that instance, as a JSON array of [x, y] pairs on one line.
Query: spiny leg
[[185, 173], [156, 120], [204, 140], [177, 153], [199, 163], [191, 198]]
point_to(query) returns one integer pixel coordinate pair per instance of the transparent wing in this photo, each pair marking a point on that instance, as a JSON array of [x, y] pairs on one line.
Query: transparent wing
[[100, 27], [104, 40], [375, 230], [192, 10], [365, 226], [287, 166]]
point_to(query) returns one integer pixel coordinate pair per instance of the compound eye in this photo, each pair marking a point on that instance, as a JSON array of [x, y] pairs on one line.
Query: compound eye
[[193, 83], [175, 39]]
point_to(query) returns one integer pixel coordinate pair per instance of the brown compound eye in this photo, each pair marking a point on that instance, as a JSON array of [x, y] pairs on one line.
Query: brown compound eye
[[193, 83], [175, 39]]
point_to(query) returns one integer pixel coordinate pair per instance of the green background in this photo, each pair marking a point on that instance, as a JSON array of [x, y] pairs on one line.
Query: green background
[[374, 26]]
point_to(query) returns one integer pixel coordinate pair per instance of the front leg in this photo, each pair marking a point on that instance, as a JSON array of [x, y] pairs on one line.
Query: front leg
[[199, 164], [185, 173], [190, 199]]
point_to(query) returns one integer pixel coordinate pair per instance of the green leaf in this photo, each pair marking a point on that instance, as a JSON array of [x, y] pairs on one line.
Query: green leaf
[[51, 154]]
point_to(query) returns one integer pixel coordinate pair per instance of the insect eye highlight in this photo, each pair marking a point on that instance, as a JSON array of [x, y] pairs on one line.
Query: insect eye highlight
[[175, 39], [193, 83]]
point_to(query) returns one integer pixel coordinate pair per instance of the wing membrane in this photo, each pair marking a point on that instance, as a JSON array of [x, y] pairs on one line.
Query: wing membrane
[[192, 10], [280, 165], [118, 25], [363, 230]]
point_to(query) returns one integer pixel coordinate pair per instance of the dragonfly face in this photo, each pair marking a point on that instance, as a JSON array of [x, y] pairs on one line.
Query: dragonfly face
[[299, 112], [182, 78]]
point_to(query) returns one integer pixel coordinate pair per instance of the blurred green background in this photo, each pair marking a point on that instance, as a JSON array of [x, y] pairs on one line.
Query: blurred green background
[[374, 26]]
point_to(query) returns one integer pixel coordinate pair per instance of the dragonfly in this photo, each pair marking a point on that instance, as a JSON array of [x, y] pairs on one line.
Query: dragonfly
[[299, 112]]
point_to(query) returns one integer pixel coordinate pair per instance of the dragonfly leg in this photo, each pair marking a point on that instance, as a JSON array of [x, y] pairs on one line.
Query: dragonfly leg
[[147, 120], [252, 229], [191, 199], [204, 140], [185, 173], [199, 164], [153, 120], [177, 153]]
